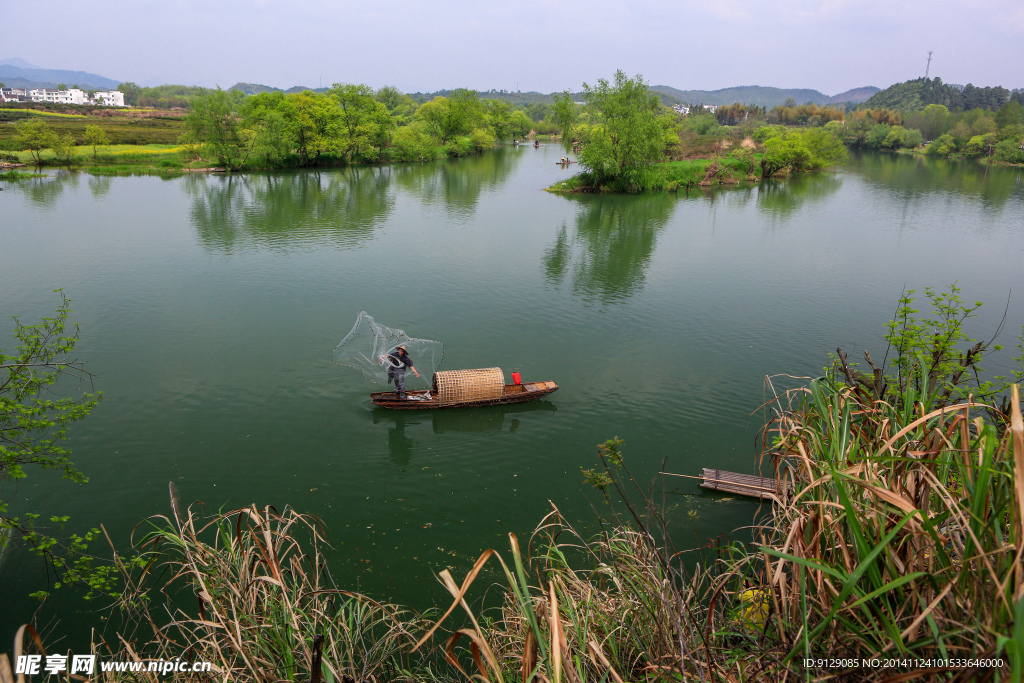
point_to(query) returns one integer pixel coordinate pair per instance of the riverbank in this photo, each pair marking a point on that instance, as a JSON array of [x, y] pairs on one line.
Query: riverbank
[[672, 175], [857, 583]]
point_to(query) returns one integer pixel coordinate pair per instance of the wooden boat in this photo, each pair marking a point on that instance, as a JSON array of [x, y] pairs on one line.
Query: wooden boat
[[464, 388]]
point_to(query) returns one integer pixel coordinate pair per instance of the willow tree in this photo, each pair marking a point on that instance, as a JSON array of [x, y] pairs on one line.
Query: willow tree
[[627, 137]]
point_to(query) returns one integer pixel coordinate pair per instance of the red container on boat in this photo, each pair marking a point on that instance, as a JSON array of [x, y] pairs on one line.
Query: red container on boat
[[516, 379]]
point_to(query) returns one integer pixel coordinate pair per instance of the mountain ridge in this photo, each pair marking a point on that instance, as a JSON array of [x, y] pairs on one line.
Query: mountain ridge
[[764, 96], [14, 76]]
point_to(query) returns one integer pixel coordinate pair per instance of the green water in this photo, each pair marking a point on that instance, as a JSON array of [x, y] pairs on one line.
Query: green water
[[209, 306]]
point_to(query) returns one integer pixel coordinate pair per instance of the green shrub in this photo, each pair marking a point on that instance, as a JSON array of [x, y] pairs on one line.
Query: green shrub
[[944, 145], [458, 147], [412, 144], [1009, 151], [482, 139]]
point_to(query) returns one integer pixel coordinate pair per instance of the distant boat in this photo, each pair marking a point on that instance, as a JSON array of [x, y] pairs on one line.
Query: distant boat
[[465, 388]]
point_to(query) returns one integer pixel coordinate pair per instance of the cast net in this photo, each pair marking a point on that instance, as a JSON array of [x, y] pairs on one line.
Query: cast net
[[368, 345]]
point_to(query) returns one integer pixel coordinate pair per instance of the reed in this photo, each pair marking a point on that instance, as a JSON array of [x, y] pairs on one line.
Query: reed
[[901, 538], [267, 608]]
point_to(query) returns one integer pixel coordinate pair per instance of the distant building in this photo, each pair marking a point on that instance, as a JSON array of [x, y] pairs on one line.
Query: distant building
[[682, 109], [112, 98], [13, 95], [710, 107]]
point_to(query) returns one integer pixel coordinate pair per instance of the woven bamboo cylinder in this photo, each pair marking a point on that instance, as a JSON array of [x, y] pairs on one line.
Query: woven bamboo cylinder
[[463, 386]]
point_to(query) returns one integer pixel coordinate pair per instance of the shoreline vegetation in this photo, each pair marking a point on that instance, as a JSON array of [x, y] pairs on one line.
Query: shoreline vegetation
[[897, 536], [623, 136]]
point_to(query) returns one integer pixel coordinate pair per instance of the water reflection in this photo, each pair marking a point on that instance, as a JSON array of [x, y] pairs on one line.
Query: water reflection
[[611, 246], [493, 419], [456, 186], [99, 185], [782, 198], [41, 192], [917, 177], [490, 419], [341, 208]]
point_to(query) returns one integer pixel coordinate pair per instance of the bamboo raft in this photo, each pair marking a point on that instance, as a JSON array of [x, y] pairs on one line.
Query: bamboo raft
[[765, 488]]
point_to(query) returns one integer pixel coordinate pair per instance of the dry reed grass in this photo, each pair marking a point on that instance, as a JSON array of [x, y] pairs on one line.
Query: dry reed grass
[[267, 608]]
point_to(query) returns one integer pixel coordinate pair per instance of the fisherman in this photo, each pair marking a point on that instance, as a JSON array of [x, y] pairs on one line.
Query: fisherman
[[398, 361]]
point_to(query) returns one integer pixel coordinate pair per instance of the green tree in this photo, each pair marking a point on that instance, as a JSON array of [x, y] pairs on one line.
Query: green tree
[[357, 108], [389, 96], [132, 93], [33, 432], [34, 136], [64, 148], [1011, 113], [213, 121], [520, 124], [499, 117], [628, 136], [935, 120], [95, 136], [538, 111], [825, 146], [785, 149], [318, 128], [566, 114], [268, 125], [382, 127], [449, 117], [877, 136]]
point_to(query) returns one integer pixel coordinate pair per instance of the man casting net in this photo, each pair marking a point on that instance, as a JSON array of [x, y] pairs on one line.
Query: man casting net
[[385, 355]]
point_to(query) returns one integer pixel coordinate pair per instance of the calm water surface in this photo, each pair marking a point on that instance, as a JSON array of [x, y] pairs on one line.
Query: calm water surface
[[209, 306]]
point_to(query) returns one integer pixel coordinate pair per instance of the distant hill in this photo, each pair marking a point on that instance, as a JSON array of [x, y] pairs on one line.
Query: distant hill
[[854, 96], [919, 93], [14, 74], [763, 96], [18, 61], [255, 88]]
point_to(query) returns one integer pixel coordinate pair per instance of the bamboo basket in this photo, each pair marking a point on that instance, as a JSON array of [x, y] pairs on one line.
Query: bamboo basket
[[463, 386]]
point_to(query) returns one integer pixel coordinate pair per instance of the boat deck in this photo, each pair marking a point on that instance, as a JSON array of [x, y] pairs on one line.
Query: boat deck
[[425, 399]]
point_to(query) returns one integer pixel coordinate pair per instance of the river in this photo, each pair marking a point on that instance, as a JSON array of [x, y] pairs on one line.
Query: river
[[209, 307]]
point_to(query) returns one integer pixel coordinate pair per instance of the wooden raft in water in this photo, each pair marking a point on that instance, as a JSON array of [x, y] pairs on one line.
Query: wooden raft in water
[[766, 488]]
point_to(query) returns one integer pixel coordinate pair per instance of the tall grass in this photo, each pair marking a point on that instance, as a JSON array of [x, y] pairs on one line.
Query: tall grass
[[898, 537], [266, 606]]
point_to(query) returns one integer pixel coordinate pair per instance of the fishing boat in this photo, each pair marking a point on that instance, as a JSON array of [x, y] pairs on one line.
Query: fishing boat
[[465, 388]]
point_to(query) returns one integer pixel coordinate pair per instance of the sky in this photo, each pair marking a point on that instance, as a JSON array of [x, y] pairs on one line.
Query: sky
[[542, 45]]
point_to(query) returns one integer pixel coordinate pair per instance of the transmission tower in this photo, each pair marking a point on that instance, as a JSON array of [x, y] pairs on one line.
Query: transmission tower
[[928, 68]]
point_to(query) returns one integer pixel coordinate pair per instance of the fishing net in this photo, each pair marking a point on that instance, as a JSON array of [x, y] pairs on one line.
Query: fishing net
[[367, 346]]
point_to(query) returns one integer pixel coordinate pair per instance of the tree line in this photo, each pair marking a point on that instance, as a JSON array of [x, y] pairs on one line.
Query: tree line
[[347, 123]]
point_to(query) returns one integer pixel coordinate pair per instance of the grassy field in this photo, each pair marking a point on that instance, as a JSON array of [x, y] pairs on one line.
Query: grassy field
[[122, 128], [123, 160]]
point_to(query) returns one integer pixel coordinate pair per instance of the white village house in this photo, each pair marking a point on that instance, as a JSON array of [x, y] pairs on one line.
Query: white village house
[[685, 109], [111, 98]]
